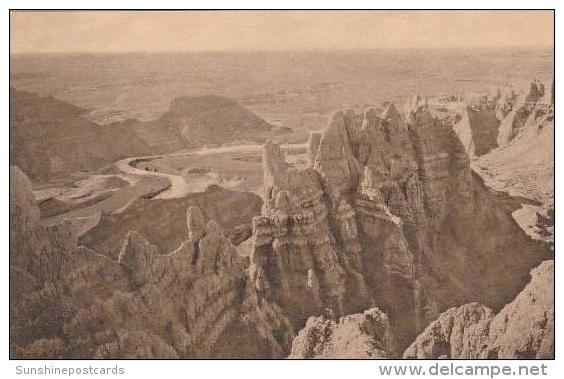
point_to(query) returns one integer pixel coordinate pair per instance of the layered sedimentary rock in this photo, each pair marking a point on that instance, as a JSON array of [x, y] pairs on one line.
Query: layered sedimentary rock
[[484, 119], [494, 119], [532, 108], [390, 214], [194, 301], [294, 261], [39, 257], [163, 221], [523, 165], [522, 329], [199, 290], [38, 254], [364, 335], [186, 300]]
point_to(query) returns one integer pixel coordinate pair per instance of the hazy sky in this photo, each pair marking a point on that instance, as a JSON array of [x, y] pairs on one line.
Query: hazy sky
[[261, 30]]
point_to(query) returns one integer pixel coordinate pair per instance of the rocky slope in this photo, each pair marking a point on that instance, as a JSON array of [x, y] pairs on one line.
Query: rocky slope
[[389, 214], [210, 119], [366, 335], [483, 120], [70, 301], [50, 138], [512, 135], [159, 139], [524, 328], [523, 164], [493, 119], [163, 221]]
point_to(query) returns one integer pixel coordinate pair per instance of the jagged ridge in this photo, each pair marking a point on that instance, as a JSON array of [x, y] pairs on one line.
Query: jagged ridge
[[389, 214]]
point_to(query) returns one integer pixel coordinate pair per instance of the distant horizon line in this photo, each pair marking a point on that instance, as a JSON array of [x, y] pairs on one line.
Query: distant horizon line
[[297, 50]]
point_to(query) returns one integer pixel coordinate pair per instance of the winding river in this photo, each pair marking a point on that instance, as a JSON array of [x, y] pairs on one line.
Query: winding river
[[179, 186]]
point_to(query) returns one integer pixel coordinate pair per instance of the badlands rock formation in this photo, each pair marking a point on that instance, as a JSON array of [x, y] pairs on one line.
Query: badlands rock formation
[[523, 329], [534, 107], [38, 254], [479, 125], [526, 150], [190, 302], [389, 214], [523, 164], [294, 261], [50, 138], [494, 119], [163, 221], [365, 335], [211, 119]]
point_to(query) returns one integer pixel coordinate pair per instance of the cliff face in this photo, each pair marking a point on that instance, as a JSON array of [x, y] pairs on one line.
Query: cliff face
[[523, 329], [295, 261], [38, 254], [493, 120], [194, 301], [523, 165], [390, 214], [526, 148], [532, 108], [39, 257], [484, 118]]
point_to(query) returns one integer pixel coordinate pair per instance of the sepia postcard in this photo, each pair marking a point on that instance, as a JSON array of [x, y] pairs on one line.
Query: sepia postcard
[[271, 184]]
